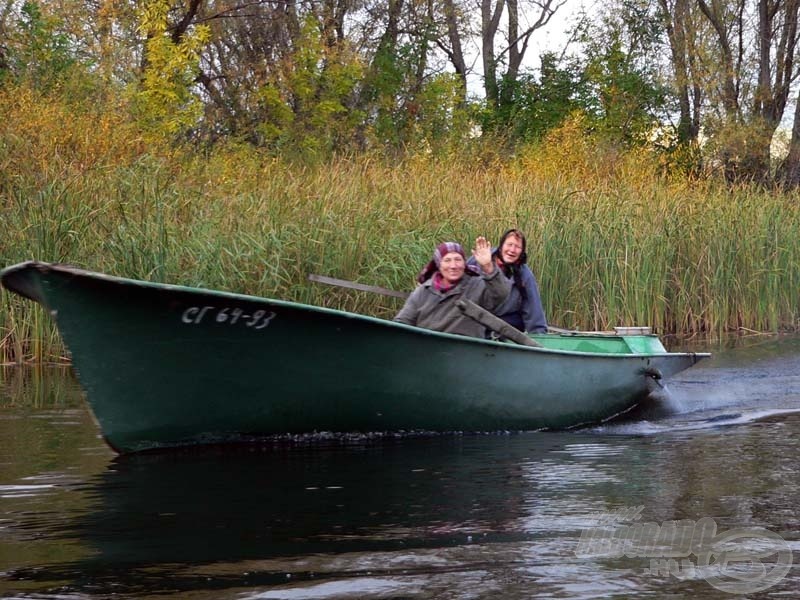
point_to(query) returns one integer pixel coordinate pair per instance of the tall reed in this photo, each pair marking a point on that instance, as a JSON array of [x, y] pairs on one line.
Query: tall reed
[[611, 240]]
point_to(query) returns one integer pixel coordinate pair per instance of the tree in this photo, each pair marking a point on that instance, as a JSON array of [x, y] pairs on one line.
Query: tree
[[626, 100], [683, 32], [756, 46], [456, 23], [513, 43], [164, 98], [540, 105], [36, 49]]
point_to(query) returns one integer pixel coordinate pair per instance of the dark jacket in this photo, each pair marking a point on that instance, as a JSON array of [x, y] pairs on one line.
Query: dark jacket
[[523, 307], [430, 308]]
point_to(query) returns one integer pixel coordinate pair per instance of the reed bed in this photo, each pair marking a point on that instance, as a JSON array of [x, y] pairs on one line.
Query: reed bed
[[611, 240]]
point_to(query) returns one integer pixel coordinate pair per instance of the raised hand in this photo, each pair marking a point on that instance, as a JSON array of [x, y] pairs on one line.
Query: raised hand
[[483, 254]]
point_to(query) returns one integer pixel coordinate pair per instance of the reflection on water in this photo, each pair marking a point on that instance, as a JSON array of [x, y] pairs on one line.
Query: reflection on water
[[437, 517], [42, 387]]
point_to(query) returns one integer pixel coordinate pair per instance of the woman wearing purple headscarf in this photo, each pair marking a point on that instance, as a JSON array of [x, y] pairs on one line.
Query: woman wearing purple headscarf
[[445, 280]]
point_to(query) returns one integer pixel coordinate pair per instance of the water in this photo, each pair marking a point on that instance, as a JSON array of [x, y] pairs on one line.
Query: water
[[439, 517]]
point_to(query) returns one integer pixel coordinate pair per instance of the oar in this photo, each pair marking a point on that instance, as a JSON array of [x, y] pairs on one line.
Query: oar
[[357, 286], [470, 309], [496, 324], [387, 292]]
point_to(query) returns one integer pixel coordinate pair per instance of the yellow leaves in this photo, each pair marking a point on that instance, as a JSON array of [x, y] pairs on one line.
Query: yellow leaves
[[165, 101], [304, 103], [153, 17], [43, 133]]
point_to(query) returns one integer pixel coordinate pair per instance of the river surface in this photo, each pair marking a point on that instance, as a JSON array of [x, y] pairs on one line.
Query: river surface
[[524, 515]]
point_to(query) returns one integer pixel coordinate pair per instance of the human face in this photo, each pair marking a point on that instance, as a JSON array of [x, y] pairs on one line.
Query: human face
[[511, 249], [452, 267]]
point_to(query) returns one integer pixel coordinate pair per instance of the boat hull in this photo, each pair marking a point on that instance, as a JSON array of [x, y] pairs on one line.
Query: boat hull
[[168, 365]]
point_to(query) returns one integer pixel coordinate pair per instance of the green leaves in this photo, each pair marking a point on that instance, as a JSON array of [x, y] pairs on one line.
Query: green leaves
[[38, 50]]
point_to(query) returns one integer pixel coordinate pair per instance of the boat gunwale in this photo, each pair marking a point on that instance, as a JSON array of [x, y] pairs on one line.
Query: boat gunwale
[[67, 269]]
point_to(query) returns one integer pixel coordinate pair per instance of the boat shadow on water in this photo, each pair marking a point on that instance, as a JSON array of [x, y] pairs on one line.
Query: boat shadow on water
[[236, 504]]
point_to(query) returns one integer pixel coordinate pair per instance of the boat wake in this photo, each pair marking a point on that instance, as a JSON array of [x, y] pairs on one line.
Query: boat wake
[[741, 387], [698, 422]]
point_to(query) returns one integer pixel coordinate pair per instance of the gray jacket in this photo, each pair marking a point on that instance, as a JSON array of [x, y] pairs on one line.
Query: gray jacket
[[428, 307]]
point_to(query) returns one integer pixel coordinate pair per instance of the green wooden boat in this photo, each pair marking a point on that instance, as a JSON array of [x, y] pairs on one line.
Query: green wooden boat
[[166, 365]]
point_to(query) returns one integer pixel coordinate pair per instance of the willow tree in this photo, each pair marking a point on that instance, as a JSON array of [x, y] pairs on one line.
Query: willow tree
[[35, 48]]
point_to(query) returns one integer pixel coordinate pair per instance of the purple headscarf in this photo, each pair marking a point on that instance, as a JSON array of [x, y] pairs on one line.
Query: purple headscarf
[[439, 253]]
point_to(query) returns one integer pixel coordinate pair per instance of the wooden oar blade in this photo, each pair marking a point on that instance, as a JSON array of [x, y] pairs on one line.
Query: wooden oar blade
[[352, 285]]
